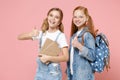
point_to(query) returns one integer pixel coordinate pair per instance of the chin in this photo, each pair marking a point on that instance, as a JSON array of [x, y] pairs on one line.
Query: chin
[[51, 26], [78, 25]]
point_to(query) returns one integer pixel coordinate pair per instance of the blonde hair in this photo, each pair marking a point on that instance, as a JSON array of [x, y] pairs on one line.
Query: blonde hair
[[88, 24], [45, 24]]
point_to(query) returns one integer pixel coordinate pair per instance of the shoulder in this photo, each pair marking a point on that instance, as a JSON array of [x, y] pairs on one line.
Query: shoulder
[[61, 34], [73, 36], [62, 40], [88, 35]]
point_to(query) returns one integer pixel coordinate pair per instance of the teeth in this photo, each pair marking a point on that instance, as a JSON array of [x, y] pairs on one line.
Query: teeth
[[78, 22]]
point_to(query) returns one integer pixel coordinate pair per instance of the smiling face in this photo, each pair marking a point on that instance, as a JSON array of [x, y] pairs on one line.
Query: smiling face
[[79, 18], [54, 18]]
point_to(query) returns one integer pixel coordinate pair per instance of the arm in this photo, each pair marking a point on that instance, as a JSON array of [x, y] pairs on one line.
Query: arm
[[87, 50], [28, 36], [60, 58], [25, 36]]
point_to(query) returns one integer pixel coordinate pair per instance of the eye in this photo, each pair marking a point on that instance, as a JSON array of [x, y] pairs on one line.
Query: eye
[[80, 16], [74, 17], [50, 15], [57, 17]]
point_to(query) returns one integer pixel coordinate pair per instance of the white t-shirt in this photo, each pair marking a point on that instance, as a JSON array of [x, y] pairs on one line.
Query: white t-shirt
[[62, 42], [72, 53]]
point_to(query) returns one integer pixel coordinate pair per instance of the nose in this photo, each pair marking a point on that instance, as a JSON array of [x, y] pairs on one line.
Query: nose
[[77, 19], [53, 18]]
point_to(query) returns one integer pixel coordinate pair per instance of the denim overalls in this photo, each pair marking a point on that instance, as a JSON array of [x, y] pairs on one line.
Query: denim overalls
[[51, 71], [81, 59]]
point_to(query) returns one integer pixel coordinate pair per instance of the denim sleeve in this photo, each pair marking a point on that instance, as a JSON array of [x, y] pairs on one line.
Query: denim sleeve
[[88, 50]]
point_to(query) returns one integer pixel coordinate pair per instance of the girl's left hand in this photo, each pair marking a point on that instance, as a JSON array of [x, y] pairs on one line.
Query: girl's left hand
[[44, 58], [75, 42]]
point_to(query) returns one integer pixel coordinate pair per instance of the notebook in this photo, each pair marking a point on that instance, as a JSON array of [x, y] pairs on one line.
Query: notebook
[[50, 48]]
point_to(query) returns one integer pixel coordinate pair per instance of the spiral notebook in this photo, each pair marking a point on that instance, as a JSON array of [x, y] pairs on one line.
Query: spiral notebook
[[50, 47]]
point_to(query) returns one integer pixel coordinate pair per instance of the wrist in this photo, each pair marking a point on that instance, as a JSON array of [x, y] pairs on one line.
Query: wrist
[[49, 58], [80, 46], [30, 34]]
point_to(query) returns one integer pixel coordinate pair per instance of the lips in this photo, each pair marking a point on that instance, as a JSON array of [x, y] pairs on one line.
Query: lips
[[77, 22], [52, 22]]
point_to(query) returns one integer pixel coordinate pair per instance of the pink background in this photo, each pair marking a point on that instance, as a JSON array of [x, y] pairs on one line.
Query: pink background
[[18, 58]]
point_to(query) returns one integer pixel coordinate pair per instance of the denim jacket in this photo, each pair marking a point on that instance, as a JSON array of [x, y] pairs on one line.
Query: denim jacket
[[81, 59]]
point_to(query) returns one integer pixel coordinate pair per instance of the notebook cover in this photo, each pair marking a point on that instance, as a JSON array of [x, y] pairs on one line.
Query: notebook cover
[[50, 47]]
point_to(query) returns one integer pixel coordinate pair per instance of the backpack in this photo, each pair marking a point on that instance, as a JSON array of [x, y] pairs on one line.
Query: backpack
[[102, 53]]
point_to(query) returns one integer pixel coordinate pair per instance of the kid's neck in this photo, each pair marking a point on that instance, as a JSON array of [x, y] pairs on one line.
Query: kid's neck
[[52, 30]]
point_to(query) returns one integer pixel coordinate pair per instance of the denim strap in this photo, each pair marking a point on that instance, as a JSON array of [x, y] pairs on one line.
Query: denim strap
[[40, 40], [57, 36], [42, 35]]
